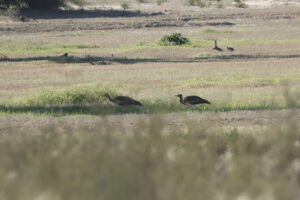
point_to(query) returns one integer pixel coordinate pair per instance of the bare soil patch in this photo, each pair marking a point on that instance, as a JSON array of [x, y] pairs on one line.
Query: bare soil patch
[[53, 21]]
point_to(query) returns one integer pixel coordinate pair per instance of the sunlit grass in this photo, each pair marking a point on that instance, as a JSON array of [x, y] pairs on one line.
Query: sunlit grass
[[220, 31], [27, 47], [80, 34], [91, 101], [241, 80], [202, 42], [11, 47]]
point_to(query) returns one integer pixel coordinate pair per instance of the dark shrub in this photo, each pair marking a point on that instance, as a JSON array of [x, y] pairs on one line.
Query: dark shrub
[[44, 4], [173, 39], [36, 4]]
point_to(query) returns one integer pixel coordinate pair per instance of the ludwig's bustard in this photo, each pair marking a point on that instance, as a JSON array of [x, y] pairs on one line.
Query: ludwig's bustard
[[123, 100], [191, 100]]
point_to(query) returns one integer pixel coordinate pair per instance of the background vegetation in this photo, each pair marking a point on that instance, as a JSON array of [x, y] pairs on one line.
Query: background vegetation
[[37, 4], [50, 4]]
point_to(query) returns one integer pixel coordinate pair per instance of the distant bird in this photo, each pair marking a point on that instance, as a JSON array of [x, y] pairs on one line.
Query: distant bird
[[191, 100], [123, 100], [230, 48], [64, 55], [216, 47], [23, 19]]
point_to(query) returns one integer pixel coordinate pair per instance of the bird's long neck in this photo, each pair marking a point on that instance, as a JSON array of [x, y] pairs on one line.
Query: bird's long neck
[[110, 98], [180, 99], [216, 46]]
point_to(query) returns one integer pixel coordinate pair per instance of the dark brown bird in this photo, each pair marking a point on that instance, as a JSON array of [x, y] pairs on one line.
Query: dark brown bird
[[23, 19], [191, 100], [123, 100], [64, 55], [230, 48], [216, 47]]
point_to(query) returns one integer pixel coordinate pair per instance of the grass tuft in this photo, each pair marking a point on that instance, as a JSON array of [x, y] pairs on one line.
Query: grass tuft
[[70, 97]]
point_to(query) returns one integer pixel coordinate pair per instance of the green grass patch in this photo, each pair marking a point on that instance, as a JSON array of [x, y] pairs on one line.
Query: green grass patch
[[219, 31], [80, 95], [86, 103], [33, 47], [240, 80], [81, 34], [259, 42]]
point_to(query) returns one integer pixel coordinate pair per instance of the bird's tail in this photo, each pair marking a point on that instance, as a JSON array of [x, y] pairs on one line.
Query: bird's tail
[[207, 102]]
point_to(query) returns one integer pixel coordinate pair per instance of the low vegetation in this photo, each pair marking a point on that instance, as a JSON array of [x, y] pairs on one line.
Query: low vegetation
[[151, 162], [174, 39], [37, 4]]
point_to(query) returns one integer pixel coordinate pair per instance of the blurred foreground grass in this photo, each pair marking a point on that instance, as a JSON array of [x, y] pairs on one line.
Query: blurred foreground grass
[[151, 162]]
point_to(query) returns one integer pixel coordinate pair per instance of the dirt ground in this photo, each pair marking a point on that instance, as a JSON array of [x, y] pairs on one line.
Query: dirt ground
[[92, 20], [247, 121]]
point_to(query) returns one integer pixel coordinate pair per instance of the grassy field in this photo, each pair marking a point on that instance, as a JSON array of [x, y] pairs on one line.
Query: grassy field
[[60, 138]]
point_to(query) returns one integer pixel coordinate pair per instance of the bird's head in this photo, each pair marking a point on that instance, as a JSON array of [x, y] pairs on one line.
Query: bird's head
[[179, 95], [106, 95]]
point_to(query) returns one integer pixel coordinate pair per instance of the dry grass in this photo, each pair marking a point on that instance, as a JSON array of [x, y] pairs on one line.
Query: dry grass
[[60, 139], [150, 162]]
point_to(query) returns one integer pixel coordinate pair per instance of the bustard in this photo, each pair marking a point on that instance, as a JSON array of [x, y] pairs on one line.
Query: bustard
[[64, 55], [216, 47], [191, 100], [123, 100], [230, 48]]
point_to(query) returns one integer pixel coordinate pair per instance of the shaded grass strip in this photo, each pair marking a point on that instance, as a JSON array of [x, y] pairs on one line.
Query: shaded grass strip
[[148, 108]]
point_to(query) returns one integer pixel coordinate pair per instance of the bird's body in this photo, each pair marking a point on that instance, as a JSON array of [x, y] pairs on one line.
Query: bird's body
[[192, 100], [123, 100], [230, 48], [23, 19], [64, 55]]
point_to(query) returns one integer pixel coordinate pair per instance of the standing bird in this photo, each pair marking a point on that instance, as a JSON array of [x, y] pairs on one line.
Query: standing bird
[[192, 100], [23, 19], [230, 48], [64, 55], [216, 47], [123, 100]]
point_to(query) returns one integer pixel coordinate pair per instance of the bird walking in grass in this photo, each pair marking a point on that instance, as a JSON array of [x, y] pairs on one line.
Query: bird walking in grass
[[192, 100], [64, 55], [230, 48], [123, 100]]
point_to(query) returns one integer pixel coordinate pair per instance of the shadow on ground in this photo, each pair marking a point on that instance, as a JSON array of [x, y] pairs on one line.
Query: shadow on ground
[[70, 14], [98, 60], [109, 109]]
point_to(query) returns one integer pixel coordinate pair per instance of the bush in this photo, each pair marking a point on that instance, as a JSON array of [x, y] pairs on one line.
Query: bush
[[46, 4], [240, 4], [125, 5], [174, 39], [199, 3], [159, 2]]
